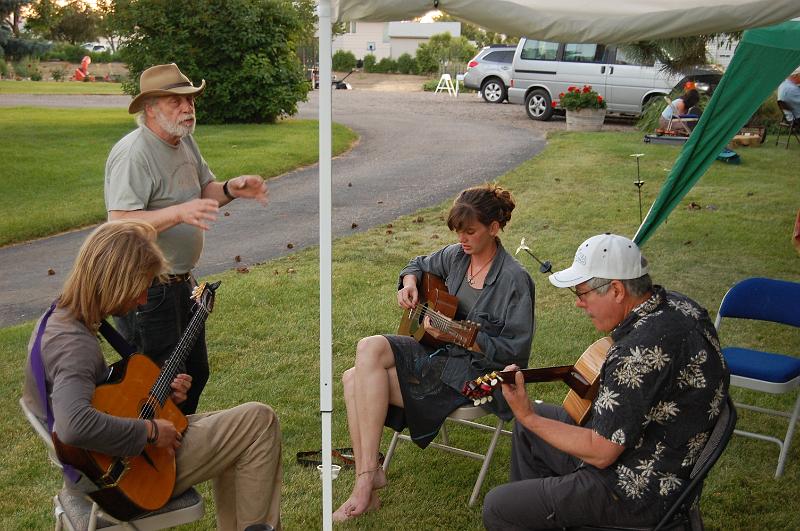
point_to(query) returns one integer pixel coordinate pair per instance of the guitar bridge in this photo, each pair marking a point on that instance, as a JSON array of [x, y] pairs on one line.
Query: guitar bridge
[[116, 471]]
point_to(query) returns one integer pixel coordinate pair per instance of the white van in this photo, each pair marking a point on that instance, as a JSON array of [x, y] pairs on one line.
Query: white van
[[542, 70]]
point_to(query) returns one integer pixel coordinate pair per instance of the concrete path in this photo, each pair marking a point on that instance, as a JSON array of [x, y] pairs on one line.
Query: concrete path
[[416, 149]]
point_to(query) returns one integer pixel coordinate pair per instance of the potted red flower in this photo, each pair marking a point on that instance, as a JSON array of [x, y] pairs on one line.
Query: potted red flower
[[586, 109]]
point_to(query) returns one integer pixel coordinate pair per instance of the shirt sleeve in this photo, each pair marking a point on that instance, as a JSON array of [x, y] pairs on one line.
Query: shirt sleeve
[[204, 173], [437, 263], [128, 183], [76, 421]]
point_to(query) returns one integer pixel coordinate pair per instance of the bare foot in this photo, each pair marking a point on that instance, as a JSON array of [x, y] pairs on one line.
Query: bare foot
[[379, 479], [348, 511], [361, 499]]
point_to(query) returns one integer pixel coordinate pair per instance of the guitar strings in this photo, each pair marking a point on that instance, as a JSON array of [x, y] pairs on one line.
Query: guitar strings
[[439, 321], [162, 385]]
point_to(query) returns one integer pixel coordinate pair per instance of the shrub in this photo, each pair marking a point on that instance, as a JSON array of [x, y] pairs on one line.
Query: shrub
[[3, 68], [59, 74], [430, 85], [244, 49], [386, 66], [20, 69], [343, 61], [406, 64], [443, 49], [369, 63]]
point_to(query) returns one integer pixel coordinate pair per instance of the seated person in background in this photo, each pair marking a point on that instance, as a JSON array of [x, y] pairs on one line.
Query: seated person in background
[[239, 448], [662, 387], [399, 382], [679, 107], [789, 93]]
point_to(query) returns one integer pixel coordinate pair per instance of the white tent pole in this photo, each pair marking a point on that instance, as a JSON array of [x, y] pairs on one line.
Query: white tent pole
[[325, 260]]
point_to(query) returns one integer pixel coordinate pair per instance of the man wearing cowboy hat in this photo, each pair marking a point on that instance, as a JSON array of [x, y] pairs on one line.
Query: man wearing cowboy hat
[[156, 173], [661, 389]]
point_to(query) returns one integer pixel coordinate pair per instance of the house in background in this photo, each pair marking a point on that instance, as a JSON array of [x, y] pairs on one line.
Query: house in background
[[390, 39], [720, 51]]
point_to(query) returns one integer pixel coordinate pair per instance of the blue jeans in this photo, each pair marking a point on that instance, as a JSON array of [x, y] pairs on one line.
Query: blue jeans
[[156, 327]]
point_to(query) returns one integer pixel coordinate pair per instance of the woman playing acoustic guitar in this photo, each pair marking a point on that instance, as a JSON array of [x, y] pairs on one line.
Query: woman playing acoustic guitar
[[400, 382]]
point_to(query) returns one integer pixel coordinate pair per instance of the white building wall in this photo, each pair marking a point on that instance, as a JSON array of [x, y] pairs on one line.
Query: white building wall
[[407, 45], [369, 37], [720, 51], [389, 39]]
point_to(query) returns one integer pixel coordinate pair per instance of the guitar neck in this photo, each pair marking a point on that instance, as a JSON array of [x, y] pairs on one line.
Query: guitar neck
[[462, 334], [162, 388], [565, 373]]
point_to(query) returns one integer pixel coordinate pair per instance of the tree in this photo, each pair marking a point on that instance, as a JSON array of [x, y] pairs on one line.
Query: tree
[[478, 35], [245, 49], [74, 22], [12, 44], [677, 54], [442, 49]]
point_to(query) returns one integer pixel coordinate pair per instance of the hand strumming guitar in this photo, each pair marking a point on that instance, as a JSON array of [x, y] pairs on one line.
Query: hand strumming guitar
[[164, 432], [408, 295]]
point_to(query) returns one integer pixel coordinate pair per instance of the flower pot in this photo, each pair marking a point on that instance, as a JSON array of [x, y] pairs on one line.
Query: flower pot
[[585, 119]]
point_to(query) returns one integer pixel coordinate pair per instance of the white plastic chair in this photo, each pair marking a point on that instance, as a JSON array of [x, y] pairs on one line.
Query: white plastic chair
[[465, 416], [74, 511]]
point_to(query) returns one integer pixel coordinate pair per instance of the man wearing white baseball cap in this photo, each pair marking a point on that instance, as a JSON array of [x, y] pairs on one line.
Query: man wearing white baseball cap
[[662, 387]]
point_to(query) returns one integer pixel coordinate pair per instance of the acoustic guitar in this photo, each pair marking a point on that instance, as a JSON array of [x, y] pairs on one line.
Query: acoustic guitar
[[582, 379], [435, 302], [131, 486]]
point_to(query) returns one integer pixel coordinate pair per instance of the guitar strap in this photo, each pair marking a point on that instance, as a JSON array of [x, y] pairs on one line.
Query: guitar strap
[[37, 368], [116, 340]]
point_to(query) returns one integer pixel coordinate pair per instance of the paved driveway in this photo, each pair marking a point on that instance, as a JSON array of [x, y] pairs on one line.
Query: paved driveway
[[416, 149]]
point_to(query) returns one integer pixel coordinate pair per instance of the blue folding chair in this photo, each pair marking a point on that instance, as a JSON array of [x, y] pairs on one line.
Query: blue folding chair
[[777, 301]]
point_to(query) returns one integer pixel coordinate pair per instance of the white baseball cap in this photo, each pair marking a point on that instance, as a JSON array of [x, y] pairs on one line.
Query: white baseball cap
[[603, 256]]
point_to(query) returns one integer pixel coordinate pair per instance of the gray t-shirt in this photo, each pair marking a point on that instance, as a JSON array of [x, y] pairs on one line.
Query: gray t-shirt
[[145, 173]]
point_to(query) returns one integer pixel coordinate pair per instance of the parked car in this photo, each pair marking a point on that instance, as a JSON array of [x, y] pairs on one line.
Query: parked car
[[489, 72], [94, 47], [542, 70]]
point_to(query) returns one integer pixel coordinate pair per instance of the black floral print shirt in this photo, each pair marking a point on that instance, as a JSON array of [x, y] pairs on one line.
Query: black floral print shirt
[[661, 390]]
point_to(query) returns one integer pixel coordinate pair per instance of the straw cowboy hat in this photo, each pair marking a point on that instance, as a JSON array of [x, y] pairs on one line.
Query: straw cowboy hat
[[163, 80]]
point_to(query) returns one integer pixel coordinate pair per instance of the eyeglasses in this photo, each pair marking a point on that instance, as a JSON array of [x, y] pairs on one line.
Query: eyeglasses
[[582, 294]]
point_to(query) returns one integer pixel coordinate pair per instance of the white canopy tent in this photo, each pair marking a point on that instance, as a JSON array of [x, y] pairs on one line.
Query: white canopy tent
[[602, 21]]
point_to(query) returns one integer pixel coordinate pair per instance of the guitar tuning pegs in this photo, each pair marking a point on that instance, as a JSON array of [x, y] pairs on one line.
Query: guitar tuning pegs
[[476, 402]]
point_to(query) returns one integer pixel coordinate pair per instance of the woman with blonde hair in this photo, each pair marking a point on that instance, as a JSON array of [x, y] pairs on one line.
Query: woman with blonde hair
[[399, 382]]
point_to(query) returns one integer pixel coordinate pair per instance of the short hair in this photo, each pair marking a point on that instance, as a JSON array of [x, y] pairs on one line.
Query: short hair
[[635, 286], [485, 204], [114, 266]]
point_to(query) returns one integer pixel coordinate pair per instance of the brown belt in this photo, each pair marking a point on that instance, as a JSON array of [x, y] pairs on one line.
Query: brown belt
[[175, 279]]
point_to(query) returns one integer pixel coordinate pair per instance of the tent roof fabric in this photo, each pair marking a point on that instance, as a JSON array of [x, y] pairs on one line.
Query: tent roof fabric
[[603, 21]]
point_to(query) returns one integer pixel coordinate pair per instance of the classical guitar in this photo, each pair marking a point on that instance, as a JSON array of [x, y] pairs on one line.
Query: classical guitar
[[435, 302], [582, 379], [131, 486]]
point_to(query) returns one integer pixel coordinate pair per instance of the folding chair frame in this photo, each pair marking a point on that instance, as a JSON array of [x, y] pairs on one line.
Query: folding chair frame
[[466, 416]]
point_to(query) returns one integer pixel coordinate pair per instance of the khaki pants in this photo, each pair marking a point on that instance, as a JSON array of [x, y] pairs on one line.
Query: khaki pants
[[240, 450]]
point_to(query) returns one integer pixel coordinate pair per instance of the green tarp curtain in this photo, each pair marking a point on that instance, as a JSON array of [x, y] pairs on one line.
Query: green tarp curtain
[[763, 59]]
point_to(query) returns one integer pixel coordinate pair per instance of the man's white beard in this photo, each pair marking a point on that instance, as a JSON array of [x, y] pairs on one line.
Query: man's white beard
[[176, 128]]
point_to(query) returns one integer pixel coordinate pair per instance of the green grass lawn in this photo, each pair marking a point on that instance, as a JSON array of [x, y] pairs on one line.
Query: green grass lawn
[[264, 342], [59, 87], [54, 160]]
